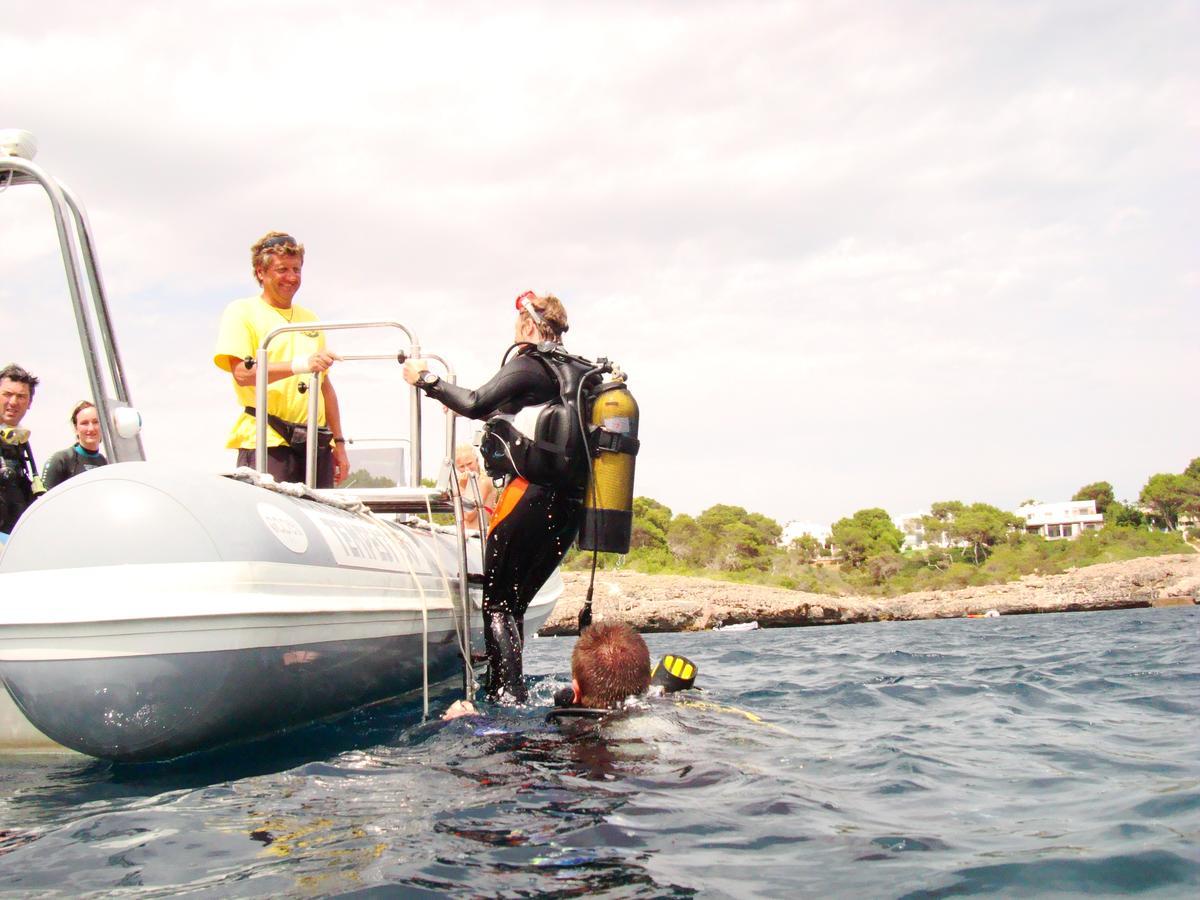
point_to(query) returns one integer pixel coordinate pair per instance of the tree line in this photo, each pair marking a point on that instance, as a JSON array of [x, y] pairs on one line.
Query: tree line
[[968, 543]]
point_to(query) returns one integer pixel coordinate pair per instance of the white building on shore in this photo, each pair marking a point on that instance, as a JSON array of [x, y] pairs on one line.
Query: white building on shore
[[915, 536], [796, 528], [1055, 521]]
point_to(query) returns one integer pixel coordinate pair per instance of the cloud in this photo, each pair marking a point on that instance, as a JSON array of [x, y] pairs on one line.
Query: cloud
[[851, 255]]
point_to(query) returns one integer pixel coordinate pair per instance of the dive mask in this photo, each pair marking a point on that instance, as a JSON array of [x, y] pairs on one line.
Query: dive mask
[[14, 435], [525, 303]]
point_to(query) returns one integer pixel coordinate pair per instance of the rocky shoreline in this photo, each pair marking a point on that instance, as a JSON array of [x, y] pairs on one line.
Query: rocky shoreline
[[654, 603]]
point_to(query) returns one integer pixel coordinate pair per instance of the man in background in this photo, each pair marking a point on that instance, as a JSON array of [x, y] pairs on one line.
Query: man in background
[[16, 475]]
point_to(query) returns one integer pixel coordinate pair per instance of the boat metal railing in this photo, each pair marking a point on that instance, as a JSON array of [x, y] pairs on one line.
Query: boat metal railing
[[120, 430], [120, 423], [445, 496]]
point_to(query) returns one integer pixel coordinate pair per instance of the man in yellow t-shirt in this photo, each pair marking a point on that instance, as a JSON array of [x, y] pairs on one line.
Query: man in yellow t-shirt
[[277, 260]]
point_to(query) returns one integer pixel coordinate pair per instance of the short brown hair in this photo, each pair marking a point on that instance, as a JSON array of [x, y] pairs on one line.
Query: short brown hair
[[281, 244], [80, 407], [610, 662], [553, 313]]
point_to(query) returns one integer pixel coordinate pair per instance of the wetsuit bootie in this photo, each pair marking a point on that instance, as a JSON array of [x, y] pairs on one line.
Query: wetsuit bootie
[[502, 638]]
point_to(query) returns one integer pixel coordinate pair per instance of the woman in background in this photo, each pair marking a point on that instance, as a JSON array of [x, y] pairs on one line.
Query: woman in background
[[466, 464], [84, 455]]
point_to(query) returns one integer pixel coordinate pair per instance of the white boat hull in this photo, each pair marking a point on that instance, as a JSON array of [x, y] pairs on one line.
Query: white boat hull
[[151, 648]]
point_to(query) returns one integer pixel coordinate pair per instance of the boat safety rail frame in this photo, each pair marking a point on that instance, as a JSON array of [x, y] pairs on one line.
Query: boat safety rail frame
[[446, 497], [393, 497], [119, 431]]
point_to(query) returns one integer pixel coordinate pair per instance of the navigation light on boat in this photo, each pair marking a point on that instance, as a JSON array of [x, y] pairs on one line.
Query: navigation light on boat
[[17, 142], [127, 421]]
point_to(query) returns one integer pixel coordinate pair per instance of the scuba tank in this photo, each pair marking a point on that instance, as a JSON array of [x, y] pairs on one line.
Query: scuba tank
[[586, 434], [608, 507]]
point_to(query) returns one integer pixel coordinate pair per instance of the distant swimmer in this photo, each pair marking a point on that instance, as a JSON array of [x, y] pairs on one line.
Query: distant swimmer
[[609, 664]]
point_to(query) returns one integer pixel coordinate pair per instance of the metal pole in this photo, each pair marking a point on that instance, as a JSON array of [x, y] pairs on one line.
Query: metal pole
[[70, 253], [414, 426], [464, 590], [310, 447], [103, 319], [260, 384], [464, 593], [260, 406]]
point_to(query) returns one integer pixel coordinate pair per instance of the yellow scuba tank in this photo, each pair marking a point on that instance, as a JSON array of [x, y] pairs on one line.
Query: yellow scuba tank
[[608, 508]]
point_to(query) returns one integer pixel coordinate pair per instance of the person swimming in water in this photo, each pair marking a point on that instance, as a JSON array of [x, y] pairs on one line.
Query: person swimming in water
[[609, 664]]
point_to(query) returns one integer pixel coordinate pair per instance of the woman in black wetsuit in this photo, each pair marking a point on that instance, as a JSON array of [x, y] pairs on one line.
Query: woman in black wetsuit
[[534, 524], [85, 455]]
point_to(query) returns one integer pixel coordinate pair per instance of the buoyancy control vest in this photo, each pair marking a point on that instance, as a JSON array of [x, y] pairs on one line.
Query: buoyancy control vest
[[547, 444], [18, 475], [587, 435]]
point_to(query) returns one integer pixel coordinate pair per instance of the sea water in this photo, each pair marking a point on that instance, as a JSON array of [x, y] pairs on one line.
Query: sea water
[[1033, 755]]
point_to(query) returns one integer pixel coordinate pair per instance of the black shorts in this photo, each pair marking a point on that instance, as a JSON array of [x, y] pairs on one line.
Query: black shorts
[[286, 463]]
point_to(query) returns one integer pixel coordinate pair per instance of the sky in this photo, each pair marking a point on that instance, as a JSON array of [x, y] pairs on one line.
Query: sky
[[849, 254]]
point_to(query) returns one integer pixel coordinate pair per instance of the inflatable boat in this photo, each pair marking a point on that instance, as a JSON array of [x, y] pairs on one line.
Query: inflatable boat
[[149, 613]]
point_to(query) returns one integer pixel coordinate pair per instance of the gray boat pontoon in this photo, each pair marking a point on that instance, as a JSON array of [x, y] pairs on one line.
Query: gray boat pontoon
[[199, 610]]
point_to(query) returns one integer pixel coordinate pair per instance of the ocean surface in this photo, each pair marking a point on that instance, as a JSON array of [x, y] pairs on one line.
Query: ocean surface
[[1045, 755]]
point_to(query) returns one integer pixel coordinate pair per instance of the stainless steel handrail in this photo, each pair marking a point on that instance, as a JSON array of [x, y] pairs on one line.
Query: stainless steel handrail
[[78, 255], [394, 500], [260, 393]]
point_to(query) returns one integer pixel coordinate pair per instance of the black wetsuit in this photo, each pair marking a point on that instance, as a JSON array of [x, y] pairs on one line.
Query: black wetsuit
[[16, 488], [68, 463], [533, 525]]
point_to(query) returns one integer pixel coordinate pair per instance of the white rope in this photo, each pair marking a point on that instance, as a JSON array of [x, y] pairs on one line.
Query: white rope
[[459, 628], [413, 551]]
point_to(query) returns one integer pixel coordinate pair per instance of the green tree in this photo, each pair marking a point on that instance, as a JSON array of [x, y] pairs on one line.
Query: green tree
[[884, 566], [1123, 515], [868, 532], [941, 514], [361, 478], [1100, 491], [690, 543], [1193, 468], [651, 521], [740, 539], [946, 510], [982, 526], [1169, 495], [742, 547], [805, 548]]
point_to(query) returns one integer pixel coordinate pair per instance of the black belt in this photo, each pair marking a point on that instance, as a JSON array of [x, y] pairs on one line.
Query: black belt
[[295, 433]]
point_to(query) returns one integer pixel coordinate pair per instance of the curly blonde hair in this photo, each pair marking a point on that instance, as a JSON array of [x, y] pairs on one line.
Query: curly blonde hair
[[272, 244]]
